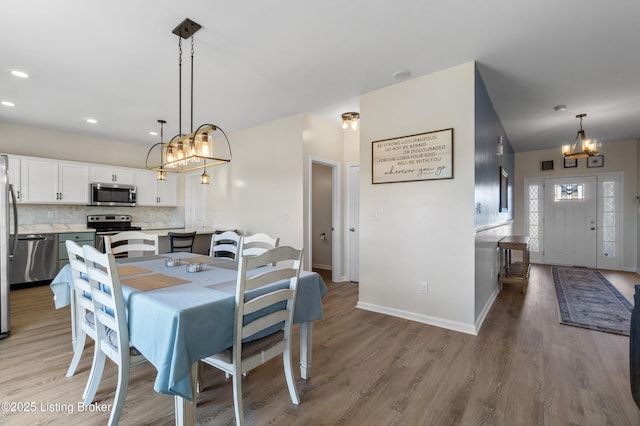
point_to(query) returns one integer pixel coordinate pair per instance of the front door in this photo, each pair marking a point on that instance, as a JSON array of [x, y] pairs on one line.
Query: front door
[[570, 221]]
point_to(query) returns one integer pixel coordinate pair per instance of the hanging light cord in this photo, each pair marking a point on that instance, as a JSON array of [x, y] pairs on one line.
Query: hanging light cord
[[192, 52], [180, 85]]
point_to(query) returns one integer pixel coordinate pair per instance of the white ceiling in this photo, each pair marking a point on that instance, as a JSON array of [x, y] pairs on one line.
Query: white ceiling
[[256, 61]]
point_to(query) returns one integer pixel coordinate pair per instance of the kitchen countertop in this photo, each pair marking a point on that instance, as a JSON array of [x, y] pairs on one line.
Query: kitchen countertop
[[53, 228], [64, 228]]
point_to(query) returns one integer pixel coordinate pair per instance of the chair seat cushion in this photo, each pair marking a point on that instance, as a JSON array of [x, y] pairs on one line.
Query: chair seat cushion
[[252, 348]]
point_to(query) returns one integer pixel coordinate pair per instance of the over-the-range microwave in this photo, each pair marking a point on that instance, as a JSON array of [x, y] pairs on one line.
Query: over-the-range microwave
[[112, 194]]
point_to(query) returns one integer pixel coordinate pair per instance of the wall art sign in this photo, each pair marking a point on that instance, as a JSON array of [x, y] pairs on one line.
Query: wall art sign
[[425, 156]]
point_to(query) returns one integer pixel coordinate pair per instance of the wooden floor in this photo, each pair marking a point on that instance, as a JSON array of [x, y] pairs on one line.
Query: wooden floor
[[524, 368]]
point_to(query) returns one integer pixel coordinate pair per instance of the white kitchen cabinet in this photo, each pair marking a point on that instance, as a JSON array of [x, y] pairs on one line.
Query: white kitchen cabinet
[[14, 177], [152, 192], [49, 181], [106, 174]]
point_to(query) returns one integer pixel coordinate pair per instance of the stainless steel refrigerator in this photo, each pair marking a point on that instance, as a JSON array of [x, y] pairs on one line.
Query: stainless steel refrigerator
[[7, 243]]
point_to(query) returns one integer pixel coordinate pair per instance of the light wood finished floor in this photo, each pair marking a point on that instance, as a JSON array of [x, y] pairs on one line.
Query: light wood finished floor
[[524, 368]]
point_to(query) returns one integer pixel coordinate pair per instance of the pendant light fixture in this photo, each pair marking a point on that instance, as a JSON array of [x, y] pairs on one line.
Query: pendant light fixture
[[197, 149], [587, 146]]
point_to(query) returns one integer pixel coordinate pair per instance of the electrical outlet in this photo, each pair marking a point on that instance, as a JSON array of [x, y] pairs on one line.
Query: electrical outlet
[[423, 288]]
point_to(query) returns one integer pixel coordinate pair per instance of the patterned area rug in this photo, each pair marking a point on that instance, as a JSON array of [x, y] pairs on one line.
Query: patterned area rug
[[586, 299]]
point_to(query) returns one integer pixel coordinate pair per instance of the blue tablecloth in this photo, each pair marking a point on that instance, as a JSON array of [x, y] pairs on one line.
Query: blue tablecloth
[[174, 327]]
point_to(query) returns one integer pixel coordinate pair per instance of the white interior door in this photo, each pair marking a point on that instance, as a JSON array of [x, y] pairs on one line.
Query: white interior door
[[354, 222], [570, 221]]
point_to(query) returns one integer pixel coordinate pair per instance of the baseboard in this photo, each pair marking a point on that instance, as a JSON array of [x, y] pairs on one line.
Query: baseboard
[[425, 319], [321, 266], [487, 308]]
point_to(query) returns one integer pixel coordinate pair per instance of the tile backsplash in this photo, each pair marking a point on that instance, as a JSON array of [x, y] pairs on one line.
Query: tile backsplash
[[67, 215]]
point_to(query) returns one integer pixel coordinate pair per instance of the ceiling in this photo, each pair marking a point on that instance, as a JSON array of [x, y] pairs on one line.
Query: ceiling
[[257, 61]]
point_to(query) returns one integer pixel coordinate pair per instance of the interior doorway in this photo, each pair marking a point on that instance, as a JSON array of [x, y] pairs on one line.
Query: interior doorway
[[325, 238]]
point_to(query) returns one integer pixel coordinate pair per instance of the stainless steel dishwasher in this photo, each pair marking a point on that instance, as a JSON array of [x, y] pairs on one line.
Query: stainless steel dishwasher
[[35, 259]]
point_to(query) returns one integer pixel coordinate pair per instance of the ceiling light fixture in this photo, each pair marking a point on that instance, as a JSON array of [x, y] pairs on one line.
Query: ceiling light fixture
[[195, 150], [92, 121], [588, 146], [8, 104], [350, 119], [20, 74], [560, 108]]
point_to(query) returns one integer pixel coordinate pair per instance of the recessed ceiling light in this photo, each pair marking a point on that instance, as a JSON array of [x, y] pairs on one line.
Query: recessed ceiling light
[[92, 120], [8, 104], [559, 108], [20, 74], [401, 75], [153, 133]]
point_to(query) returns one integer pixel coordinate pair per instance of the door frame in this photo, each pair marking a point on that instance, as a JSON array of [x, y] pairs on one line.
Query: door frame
[[336, 206], [348, 259], [603, 262]]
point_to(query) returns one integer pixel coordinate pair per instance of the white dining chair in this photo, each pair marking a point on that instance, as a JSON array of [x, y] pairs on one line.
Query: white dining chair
[[112, 331], [127, 242], [225, 244], [258, 243], [82, 315], [247, 353]]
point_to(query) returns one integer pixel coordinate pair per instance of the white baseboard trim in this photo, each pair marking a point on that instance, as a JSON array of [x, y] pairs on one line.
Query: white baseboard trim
[[425, 319], [320, 266], [487, 308]]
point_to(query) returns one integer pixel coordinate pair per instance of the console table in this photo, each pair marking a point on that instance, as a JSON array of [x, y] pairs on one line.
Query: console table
[[514, 272]]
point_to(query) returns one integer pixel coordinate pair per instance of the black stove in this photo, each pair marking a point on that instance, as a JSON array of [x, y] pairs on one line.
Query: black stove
[[109, 224]]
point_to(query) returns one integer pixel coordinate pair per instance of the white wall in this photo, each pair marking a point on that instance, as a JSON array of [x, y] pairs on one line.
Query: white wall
[[260, 190], [618, 157], [424, 230]]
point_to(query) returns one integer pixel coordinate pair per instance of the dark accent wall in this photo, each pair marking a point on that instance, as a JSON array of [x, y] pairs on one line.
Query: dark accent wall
[[488, 129]]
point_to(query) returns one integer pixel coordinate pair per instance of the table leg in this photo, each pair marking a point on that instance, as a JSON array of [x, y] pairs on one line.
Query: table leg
[[306, 349], [185, 410]]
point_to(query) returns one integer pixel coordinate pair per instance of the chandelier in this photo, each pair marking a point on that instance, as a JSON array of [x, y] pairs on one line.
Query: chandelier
[[350, 119], [587, 146], [197, 149]]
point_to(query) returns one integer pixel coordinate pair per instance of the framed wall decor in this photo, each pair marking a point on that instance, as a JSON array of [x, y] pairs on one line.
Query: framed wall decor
[[570, 162], [546, 165], [425, 156], [504, 191], [595, 161]]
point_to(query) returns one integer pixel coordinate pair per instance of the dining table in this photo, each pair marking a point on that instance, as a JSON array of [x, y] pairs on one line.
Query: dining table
[[181, 308]]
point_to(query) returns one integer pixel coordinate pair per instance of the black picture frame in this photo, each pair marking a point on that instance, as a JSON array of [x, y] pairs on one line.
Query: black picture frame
[[570, 163], [595, 161], [504, 191], [546, 165]]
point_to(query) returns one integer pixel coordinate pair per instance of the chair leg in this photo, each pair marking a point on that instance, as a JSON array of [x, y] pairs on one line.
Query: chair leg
[[121, 393], [237, 398], [95, 375], [288, 373], [78, 348]]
